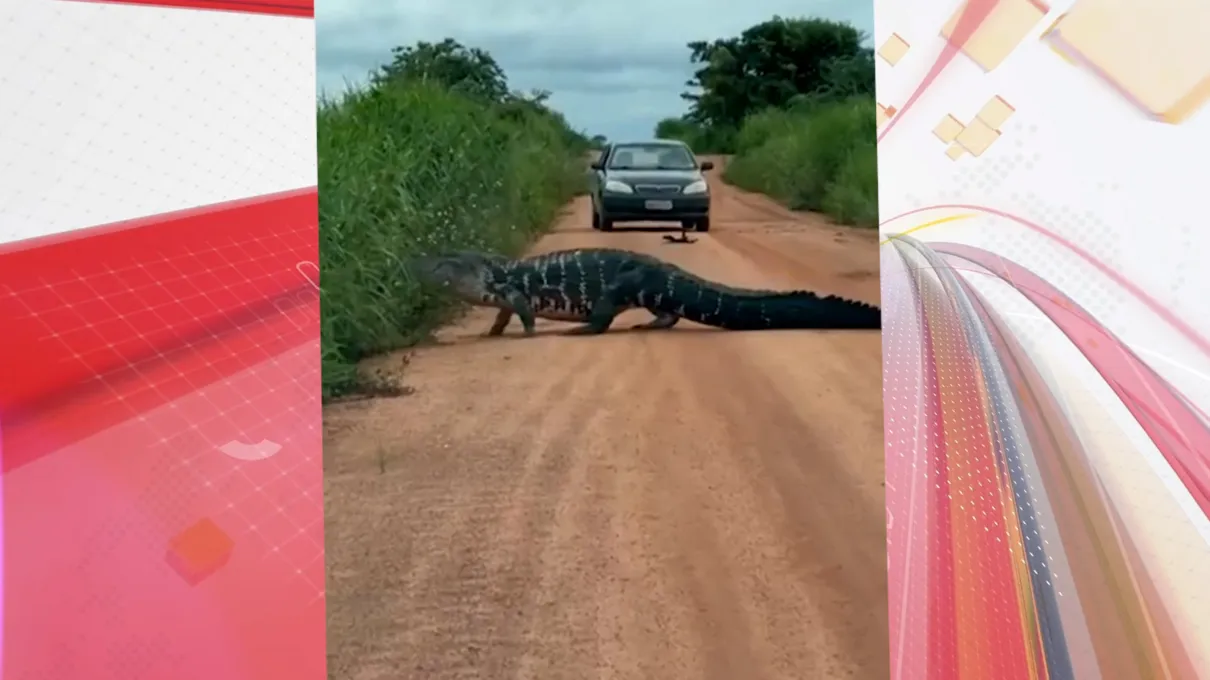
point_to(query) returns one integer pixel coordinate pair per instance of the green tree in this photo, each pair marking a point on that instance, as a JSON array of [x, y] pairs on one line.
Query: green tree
[[467, 70], [676, 128], [849, 76], [768, 65]]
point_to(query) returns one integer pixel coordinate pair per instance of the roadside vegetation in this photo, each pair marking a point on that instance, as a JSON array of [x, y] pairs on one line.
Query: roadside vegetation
[[434, 153], [793, 100]]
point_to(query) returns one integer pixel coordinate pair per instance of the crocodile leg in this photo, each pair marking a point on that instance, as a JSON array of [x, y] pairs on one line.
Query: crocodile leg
[[603, 314], [661, 321], [521, 307], [501, 322]]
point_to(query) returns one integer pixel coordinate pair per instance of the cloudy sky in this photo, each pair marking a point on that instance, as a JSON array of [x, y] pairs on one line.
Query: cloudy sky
[[614, 67]]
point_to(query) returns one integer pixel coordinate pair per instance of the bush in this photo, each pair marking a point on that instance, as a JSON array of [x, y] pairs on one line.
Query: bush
[[702, 139], [816, 155], [407, 168]]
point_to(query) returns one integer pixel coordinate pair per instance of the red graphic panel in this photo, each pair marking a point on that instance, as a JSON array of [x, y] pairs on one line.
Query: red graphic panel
[[162, 488], [120, 319], [291, 8]]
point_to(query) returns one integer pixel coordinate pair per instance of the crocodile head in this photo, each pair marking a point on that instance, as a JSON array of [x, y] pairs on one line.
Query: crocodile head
[[473, 277]]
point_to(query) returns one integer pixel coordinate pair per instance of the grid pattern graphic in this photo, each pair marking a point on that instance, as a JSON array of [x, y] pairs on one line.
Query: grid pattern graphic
[[161, 498], [151, 358], [126, 318]]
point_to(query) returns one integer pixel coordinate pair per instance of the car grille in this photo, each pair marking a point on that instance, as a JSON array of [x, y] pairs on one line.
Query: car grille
[[657, 188]]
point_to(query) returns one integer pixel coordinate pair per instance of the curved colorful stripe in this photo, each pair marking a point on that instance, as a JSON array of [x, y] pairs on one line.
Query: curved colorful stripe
[[1164, 414], [1031, 572], [1170, 317], [909, 445], [1120, 604], [1007, 593], [1046, 646]]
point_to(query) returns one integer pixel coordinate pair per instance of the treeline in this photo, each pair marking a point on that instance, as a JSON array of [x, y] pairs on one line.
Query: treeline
[[793, 100], [434, 153]]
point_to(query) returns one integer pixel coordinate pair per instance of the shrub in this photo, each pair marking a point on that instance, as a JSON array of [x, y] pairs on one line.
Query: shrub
[[702, 139], [407, 168], [817, 155]]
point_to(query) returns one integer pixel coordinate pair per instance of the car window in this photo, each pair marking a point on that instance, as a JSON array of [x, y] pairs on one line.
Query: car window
[[651, 157]]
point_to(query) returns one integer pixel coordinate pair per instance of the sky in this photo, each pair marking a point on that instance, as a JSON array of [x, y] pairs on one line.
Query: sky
[[613, 67]]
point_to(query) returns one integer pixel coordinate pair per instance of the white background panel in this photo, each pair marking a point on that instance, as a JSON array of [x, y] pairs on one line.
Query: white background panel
[[112, 112], [1079, 159], [1076, 158]]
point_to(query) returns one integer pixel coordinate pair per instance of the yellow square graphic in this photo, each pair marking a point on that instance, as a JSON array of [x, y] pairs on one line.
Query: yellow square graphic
[[948, 129], [995, 112], [1000, 33], [976, 137], [955, 151], [1155, 53], [893, 49]]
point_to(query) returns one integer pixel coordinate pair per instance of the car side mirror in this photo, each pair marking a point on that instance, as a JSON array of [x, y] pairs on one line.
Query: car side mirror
[[707, 165]]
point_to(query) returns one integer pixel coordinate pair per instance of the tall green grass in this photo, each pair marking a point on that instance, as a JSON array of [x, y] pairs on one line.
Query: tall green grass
[[814, 156], [411, 168]]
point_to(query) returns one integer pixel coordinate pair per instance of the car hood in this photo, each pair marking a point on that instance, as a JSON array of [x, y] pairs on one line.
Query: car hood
[[679, 177]]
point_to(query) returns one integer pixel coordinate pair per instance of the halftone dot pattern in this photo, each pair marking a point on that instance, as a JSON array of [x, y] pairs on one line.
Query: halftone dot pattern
[[910, 452], [990, 174]]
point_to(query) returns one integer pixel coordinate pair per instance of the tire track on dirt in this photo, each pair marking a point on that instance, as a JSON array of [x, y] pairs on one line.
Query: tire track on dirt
[[486, 598], [461, 496]]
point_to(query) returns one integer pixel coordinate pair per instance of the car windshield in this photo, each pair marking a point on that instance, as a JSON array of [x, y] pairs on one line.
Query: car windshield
[[651, 157]]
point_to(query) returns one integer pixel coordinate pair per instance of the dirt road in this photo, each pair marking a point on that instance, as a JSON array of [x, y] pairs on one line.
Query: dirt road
[[682, 504]]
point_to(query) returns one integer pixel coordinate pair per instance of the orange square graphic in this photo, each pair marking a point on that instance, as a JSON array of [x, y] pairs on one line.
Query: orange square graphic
[[948, 129], [995, 112], [976, 137], [894, 49], [199, 551], [1000, 33], [1155, 54]]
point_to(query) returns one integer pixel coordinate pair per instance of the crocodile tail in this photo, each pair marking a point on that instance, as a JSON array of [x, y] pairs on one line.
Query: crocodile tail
[[749, 311]]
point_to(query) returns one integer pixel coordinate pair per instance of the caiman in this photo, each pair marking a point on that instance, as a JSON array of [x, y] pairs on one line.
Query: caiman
[[594, 285]]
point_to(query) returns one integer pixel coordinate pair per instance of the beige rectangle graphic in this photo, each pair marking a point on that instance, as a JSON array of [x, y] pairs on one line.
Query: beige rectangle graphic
[[948, 129], [995, 112], [976, 137], [893, 49], [1155, 53], [1000, 33], [955, 151]]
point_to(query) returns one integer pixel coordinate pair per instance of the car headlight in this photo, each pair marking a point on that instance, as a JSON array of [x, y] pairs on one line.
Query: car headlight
[[698, 187], [618, 187]]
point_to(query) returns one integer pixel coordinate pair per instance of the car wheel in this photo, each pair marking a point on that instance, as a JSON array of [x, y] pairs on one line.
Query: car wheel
[[596, 219], [688, 224], [606, 224], [703, 224]]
